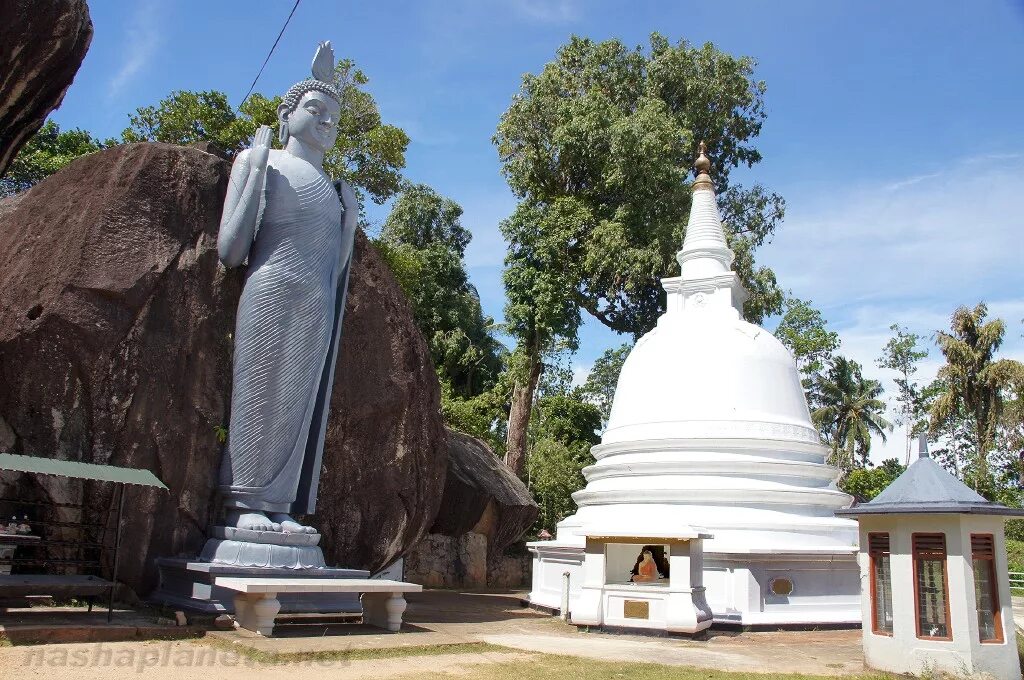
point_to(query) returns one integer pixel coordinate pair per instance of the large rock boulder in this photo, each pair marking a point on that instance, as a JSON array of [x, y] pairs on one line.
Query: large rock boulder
[[482, 495], [385, 451], [115, 347], [42, 44]]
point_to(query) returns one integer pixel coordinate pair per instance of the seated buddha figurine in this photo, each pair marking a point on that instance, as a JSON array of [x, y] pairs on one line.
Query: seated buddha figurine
[[646, 569]]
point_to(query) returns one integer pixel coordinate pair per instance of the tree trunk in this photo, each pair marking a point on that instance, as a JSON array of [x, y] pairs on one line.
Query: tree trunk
[[909, 426], [519, 417], [981, 473]]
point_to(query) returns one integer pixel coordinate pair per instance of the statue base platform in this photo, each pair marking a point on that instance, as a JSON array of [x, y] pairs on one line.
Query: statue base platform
[[273, 549], [189, 584], [269, 537]]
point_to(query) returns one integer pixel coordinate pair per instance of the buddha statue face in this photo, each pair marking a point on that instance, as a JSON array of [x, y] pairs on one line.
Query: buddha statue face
[[313, 121]]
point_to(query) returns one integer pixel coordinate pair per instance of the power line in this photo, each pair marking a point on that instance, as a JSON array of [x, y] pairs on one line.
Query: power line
[[271, 52]]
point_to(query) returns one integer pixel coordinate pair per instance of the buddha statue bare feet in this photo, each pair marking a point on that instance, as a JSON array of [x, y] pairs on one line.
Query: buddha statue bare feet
[[289, 525], [252, 521]]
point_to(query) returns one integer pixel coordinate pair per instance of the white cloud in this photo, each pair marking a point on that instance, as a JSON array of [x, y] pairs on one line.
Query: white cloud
[[953, 237], [580, 373], [909, 251], [548, 11], [141, 39], [427, 136]]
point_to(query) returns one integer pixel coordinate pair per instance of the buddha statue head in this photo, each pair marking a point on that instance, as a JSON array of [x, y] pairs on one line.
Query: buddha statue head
[[309, 111]]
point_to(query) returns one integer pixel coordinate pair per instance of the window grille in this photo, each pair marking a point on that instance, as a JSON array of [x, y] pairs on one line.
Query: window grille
[[931, 590]]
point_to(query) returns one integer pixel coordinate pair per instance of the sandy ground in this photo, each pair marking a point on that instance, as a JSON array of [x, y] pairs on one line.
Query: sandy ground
[[188, 660], [433, 618]]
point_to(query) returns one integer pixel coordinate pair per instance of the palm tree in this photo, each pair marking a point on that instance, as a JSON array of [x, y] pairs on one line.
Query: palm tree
[[976, 384], [848, 411]]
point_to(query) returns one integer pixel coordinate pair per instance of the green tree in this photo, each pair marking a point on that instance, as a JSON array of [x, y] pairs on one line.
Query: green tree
[[569, 419], [563, 429], [185, 117], [423, 218], [605, 136], [540, 313], [976, 383], [902, 354], [368, 153], [46, 152], [850, 411], [555, 472], [866, 483], [598, 147], [804, 331], [482, 415], [424, 240], [599, 388]]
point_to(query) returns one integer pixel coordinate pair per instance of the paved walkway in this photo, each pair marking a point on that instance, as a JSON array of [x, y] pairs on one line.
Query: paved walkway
[[1018, 611], [447, 617]]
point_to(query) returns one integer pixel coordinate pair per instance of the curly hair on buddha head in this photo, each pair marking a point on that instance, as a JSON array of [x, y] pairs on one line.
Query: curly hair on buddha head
[[323, 80]]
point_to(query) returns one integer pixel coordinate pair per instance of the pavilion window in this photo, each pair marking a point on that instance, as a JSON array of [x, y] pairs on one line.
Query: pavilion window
[[931, 588], [983, 554], [881, 584]]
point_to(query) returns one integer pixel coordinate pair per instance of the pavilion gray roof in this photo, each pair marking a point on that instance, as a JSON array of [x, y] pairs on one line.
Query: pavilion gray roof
[[926, 487], [76, 470]]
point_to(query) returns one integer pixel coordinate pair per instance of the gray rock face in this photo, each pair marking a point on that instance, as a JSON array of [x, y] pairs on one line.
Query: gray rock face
[[115, 347], [385, 453], [482, 494], [115, 335], [42, 44]]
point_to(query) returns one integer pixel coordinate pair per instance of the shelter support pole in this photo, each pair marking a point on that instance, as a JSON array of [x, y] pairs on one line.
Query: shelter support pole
[[117, 549]]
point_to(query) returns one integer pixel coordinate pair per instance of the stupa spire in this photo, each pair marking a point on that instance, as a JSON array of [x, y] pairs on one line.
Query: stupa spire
[[703, 168], [705, 251]]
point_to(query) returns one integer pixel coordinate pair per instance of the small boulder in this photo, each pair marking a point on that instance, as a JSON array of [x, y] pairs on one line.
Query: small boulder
[[481, 494]]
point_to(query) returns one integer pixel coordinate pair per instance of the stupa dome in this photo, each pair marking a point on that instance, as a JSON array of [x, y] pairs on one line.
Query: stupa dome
[[706, 374]]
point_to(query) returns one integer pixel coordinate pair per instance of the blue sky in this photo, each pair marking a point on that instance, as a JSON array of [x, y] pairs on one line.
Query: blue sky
[[894, 129]]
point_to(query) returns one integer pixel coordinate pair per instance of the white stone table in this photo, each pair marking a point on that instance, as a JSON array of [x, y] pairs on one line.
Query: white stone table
[[256, 603]]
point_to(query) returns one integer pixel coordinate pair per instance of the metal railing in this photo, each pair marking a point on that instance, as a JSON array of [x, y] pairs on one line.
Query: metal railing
[[1017, 580]]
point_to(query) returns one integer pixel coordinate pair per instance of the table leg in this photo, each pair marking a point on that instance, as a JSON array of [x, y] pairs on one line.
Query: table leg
[[384, 610], [256, 612]]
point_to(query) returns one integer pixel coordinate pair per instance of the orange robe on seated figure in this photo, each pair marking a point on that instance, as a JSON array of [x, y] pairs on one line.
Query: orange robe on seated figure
[[647, 570]]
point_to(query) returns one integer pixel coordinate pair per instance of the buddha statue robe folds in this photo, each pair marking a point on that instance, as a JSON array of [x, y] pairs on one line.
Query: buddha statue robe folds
[[296, 228]]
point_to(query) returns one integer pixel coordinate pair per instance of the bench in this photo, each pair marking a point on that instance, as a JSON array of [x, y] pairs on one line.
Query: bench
[[23, 585], [256, 603]]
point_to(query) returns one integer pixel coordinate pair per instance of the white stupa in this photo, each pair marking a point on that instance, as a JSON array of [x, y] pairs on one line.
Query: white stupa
[[710, 428]]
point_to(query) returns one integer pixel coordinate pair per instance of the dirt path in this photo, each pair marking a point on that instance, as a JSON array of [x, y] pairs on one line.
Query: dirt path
[[190, 660]]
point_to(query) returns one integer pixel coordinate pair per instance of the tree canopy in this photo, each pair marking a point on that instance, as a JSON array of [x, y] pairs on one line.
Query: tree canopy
[[976, 384], [46, 152], [424, 240], [598, 146], [804, 331], [867, 482], [901, 354], [849, 412], [369, 154]]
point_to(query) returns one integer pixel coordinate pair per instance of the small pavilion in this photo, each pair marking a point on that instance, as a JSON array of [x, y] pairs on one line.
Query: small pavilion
[[935, 589]]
